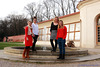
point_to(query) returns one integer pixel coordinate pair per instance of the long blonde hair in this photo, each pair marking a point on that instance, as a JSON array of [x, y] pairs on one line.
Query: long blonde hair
[[57, 18], [27, 23], [59, 24]]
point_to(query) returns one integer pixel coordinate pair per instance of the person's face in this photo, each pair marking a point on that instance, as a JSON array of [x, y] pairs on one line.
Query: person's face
[[60, 23], [35, 20], [56, 20], [29, 23]]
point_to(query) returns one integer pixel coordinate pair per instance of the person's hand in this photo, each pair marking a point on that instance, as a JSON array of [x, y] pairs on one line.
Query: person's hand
[[50, 33], [33, 35], [27, 38], [38, 35]]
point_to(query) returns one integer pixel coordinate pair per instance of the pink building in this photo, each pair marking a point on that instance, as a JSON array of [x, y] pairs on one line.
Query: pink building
[[18, 38]]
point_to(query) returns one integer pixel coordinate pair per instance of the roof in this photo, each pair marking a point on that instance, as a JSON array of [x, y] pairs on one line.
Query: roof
[[60, 17], [16, 35], [82, 2]]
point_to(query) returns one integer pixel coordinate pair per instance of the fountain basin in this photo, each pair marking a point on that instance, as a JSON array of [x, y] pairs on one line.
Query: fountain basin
[[47, 52]]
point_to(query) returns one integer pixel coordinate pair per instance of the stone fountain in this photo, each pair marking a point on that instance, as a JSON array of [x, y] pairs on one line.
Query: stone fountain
[[45, 52]]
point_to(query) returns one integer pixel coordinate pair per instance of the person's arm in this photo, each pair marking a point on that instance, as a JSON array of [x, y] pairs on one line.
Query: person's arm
[[26, 32], [57, 34], [32, 31], [51, 28], [65, 32]]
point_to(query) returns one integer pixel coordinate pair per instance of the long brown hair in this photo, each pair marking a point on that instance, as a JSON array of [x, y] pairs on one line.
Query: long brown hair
[[59, 24]]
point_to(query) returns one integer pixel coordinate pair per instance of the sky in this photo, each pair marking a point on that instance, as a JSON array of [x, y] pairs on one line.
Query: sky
[[14, 6]]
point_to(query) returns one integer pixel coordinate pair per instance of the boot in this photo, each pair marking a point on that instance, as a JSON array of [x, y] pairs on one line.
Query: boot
[[52, 50], [63, 57], [24, 53], [27, 55], [33, 48], [60, 56]]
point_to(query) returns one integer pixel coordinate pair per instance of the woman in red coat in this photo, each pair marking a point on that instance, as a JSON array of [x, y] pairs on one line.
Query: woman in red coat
[[28, 39], [61, 39]]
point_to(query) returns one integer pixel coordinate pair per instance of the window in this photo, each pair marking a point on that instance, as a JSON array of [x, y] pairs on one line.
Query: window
[[73, 31], [40, 34], [44, 33], [67, 36], [77, 26], [42, 37], [67, 26], [71, 36], [77, 36], [98, 31], [72, 27], [48, 34], [48, 30], [98, 21]]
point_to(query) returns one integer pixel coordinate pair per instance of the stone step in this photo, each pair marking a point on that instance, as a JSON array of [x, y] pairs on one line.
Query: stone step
[[48, 52]]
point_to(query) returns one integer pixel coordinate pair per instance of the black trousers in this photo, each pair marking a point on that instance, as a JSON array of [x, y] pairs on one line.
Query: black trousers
[[27, 47], [52, 44], [35, 40]]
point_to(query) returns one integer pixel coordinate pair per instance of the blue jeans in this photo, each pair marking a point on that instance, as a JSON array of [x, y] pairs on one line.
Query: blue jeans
[[61, 43]]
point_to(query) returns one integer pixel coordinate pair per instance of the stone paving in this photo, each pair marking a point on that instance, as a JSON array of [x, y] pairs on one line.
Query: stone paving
[[7, 63]]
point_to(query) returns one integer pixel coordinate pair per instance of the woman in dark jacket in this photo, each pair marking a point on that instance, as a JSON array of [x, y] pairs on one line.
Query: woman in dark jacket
[[53, 33]]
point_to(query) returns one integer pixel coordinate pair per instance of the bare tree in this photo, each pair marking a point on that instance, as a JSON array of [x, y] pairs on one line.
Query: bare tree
[[55, 9], [61, 5], [39, 14], [47, 9], [51, 8], [31, 9]]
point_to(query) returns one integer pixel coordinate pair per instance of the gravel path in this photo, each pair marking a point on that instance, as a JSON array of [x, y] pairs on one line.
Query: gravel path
[[7, 63]]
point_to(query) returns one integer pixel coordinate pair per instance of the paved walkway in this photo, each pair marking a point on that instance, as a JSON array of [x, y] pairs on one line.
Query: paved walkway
[[7, 63]]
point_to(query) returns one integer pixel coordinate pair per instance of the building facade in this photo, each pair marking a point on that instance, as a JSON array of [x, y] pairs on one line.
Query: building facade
[[83, 27], [90, 17], [71, 21]]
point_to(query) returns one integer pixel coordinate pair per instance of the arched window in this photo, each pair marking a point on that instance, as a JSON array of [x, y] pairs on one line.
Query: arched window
[[98, 22], [98, 30]]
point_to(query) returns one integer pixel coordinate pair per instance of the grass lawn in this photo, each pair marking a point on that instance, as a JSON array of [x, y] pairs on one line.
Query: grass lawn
[[9, 44]]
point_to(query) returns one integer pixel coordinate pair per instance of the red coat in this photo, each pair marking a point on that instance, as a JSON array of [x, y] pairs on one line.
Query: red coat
[[62, 33], [29, 41]]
